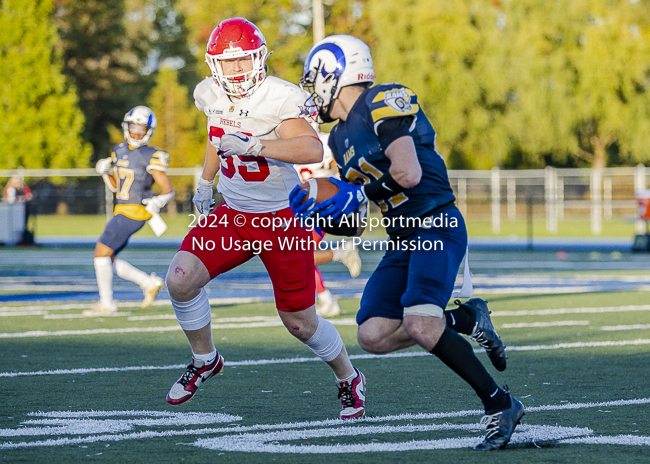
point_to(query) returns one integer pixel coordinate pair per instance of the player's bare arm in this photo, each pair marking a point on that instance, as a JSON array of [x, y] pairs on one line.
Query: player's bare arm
[[299, 143], [404, 165], [212, 162], [161, 179]]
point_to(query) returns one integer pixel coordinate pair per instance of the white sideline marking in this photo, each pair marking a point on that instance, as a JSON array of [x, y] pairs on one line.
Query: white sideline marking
[[34, 310], [272, 322], [548, 312], [523, 325], [552, 290], [612, 328], [260, 362], [80, 418], [22, 313], [81, 316], [629, 440], [128, 304]]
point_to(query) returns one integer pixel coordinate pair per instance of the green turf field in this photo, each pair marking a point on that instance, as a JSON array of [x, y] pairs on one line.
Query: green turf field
[[576, 361]]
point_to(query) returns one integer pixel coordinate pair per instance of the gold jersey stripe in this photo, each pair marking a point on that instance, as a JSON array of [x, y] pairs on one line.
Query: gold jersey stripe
[[387, 111], [135, 212]]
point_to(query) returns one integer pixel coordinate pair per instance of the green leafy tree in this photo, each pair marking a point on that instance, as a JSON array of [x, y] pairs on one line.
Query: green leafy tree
[[41, 123], [560, 82], [585, 88], [444, 51], [286, 25], [180, 130], [104, 61]]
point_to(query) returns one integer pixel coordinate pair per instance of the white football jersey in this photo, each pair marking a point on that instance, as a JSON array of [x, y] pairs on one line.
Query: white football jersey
[[322, 169], [252, 184]]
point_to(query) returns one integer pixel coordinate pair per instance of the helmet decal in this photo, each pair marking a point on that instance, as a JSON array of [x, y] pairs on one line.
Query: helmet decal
[[333, 63]]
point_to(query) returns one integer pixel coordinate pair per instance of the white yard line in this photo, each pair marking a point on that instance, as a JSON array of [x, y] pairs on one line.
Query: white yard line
[[612, 328], [549, 312], [259, 362], [88, 423], [523, 325]]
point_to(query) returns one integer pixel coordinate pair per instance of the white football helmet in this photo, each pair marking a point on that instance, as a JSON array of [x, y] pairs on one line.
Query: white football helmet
[[139, 116], [333, 63], [237, 38]]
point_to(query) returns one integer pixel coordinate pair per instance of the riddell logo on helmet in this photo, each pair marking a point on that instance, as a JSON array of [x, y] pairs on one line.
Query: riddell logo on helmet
[[363, 76]]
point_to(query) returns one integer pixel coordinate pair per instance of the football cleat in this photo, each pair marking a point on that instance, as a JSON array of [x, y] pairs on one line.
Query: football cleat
[[352, 261], [484, 333], [196, 373], [101, 309], [152, 290], [501, 424], [353, 397], [330, 309]]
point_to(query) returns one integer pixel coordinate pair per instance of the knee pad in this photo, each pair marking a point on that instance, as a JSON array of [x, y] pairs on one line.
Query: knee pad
[[193, 314], [326, 343]]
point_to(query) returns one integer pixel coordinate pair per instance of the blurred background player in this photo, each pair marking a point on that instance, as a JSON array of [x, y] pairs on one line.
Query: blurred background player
[[132, 169], [242, 103], [327, 305], [17, 191], [385, 148]]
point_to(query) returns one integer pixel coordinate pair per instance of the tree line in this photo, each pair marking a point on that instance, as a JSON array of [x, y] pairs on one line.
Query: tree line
[[521, 84]]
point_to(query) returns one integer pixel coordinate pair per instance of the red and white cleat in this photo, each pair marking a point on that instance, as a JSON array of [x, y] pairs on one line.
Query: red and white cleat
[[197, 372], [353, 397]]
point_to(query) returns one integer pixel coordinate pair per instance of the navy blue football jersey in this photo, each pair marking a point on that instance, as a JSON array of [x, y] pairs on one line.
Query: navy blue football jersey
[[133, 166], [358, 149]]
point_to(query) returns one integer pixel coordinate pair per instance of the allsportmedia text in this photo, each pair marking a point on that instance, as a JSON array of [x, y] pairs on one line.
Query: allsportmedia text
[[308, 244], [442, 220]]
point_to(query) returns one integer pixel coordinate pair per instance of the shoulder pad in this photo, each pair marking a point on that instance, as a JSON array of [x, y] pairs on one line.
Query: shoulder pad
[[159, 158], [392, 100]]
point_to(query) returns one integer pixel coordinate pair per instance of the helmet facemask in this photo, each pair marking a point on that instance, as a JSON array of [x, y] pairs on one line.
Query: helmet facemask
[[323, 88], [333, 63], [242, 84], [140, 120]]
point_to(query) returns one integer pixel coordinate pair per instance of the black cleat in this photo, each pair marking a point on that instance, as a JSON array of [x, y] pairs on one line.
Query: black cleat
[[484, 333], [501, 425]]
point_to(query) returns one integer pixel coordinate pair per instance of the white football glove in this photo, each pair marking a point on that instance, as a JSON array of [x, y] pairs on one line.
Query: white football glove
[[104, 166], [239, 144], [155, 204], [203, 198]]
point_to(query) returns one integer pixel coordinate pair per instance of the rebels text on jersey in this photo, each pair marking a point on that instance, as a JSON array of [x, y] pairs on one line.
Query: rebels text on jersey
[[252, 184], [358, 145]]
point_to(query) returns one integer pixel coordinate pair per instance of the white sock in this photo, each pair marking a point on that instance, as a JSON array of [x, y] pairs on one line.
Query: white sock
[[325, 297], [129, 272], [338, 253], [349, 379], [206, 358], [104, 274]]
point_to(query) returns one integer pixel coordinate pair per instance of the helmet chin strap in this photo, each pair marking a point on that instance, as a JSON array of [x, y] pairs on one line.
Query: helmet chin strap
[[324, 113]]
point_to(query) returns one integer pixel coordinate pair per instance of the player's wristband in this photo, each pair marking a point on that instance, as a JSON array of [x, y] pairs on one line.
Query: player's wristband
[[382, 188]]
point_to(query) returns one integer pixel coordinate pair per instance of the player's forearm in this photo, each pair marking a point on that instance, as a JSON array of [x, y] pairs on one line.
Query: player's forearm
[[161, 179], [112, 178], [404, 165], [298, 150], [211, 164]]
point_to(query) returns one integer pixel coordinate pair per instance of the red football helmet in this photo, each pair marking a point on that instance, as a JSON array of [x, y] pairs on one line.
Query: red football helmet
[[237, 38]]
